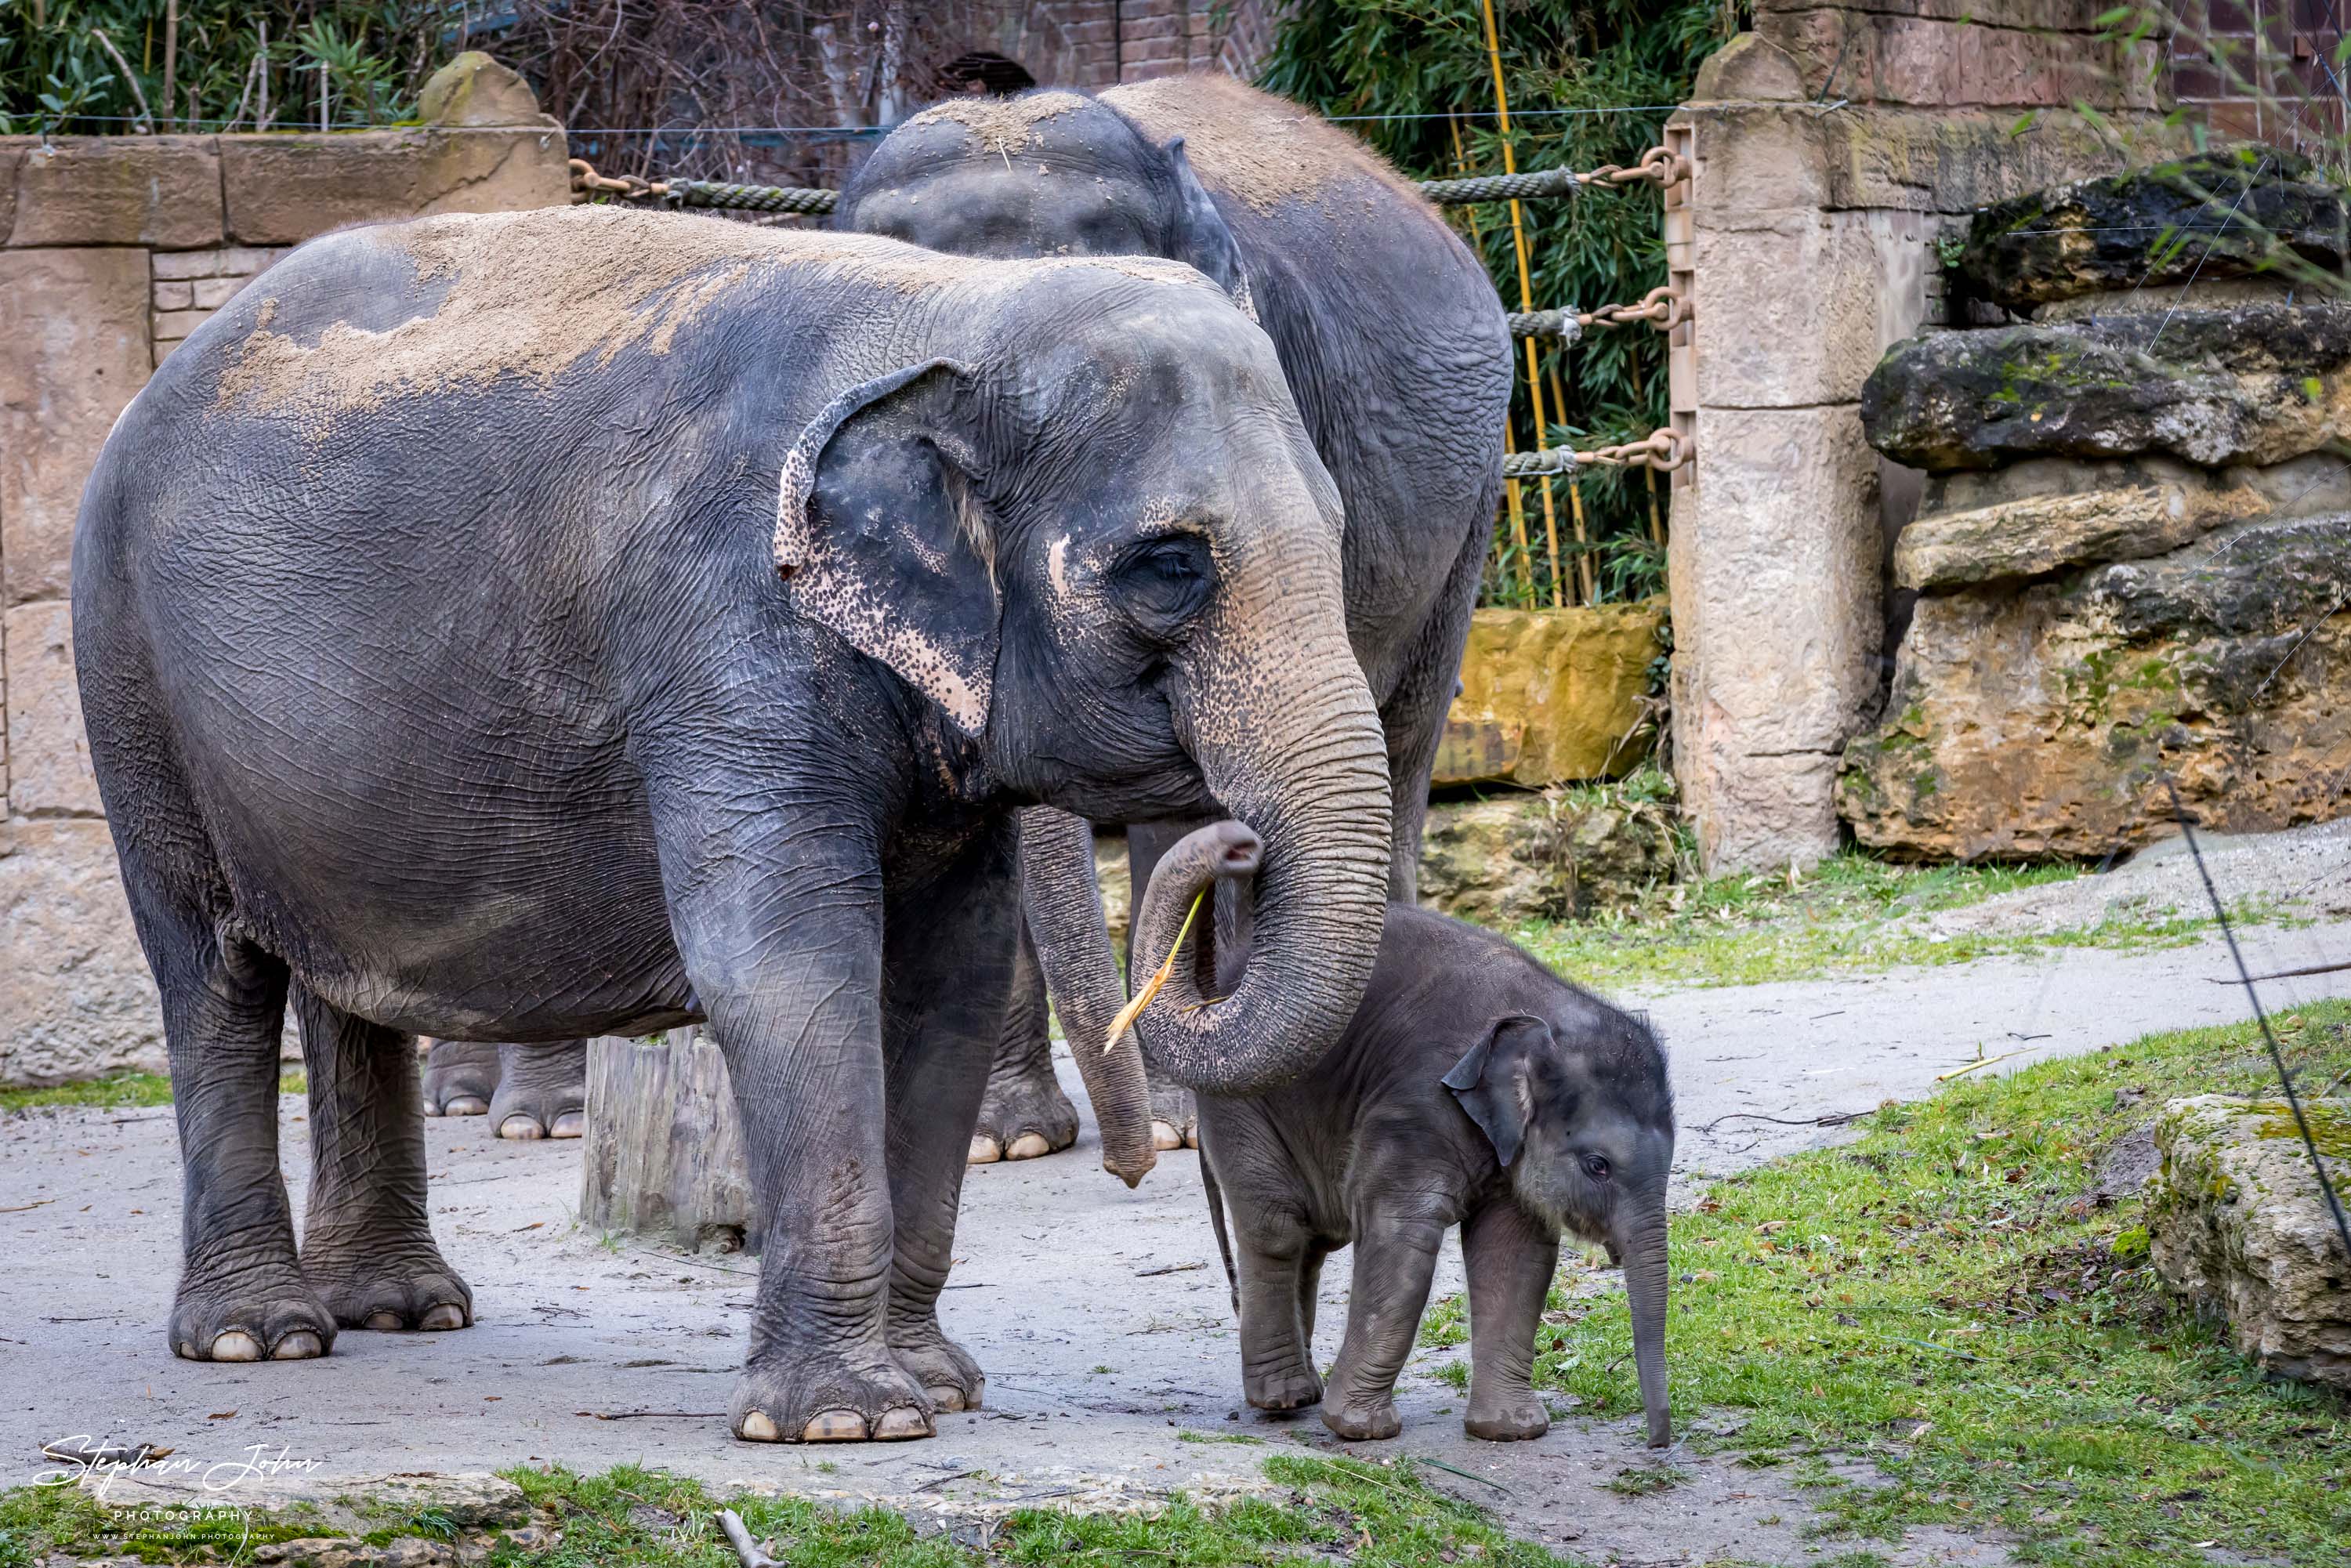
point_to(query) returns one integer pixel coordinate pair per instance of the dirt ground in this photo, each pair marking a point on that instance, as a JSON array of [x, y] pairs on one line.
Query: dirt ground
[[1099, 1314]]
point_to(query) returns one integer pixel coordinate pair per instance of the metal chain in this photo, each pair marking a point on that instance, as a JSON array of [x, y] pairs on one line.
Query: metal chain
[[1663, 450], [1664, 308], [1657, 166]]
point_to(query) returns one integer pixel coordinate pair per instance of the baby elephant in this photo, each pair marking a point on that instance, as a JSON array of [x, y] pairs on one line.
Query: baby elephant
[[1474, 1088]]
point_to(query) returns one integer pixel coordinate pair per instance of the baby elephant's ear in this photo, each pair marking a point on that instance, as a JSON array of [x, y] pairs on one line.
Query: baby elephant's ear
[[1493, 1082], [880, 536]]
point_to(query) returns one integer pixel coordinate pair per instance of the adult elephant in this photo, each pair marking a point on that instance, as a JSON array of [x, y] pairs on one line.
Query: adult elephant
[[1394, 346], [529, 626]]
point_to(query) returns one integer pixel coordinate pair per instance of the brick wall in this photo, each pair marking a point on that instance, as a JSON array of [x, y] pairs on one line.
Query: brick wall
[[113, 250], [2262, 69]]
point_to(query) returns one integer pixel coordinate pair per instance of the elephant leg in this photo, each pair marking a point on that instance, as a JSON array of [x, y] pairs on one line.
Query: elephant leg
[[1276, 1256], [949, 965], [542, 1090], [460, 1077], [1414, 713], [242, 1295], [367, 1245], [1510, 1262], [1024, 1113], [1396, 1261], [1175, 1115]]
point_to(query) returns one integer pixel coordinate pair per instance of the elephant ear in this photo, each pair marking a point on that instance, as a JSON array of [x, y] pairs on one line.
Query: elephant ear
[[880, 536], [1202, 241], [1494, 1081]]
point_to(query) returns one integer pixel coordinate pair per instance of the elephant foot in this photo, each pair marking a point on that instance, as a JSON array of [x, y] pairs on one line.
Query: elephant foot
[[542, 1091], [274, 1316], [1025, 1115], [389, 1291], [460, 1077], [1362, 1420], [1518, 1419], [951, 1379], [1293, 1388], [817, 1398], [1174, 1117]]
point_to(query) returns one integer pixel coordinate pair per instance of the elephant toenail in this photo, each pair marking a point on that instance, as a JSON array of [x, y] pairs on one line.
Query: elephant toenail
[[835, 1427], [188, 1352], [300, 1345], [466, 1105], [901, 1424], [1028, 1146], [571, 1124], [1164, 1137], [448, 1315], [758, 1427], [985, 1151], [1192, 1138], [385, 1323], [236, 1346], [523, 1129], [945, 1398]]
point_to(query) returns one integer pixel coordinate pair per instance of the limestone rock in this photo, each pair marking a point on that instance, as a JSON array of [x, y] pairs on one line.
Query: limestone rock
[[48, 755], [282, 190], [1551, 695], [2238, 1224], [2257, 383], [1553, 856], [76, 996], [1110, 872], [475, 90], [2039, 516], [158, 191], [2042, 718], [2235, 213]]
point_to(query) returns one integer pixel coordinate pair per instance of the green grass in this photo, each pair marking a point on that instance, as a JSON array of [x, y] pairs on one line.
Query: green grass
[[1944, 1298], [1838, 918], [116, 1091]]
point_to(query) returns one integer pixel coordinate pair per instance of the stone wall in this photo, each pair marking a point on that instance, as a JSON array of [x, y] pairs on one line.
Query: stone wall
[[1832, 148], [112, 251]]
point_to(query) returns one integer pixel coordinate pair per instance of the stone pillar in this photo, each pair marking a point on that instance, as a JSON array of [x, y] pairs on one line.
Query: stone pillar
[[1831, 149]]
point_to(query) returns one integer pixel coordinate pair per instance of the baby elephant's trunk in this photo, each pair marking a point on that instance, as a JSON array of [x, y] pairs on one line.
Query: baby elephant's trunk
[[1640, 1242]]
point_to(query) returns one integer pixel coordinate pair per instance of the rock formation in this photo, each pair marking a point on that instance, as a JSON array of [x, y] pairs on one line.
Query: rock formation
[[2133, 553]]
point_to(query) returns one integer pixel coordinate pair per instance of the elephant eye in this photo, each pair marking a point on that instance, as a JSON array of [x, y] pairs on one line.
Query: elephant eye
[[1596, 1166], [1164, 582]]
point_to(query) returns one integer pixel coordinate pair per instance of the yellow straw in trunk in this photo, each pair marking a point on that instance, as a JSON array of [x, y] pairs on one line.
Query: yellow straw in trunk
[[1133, 1009]]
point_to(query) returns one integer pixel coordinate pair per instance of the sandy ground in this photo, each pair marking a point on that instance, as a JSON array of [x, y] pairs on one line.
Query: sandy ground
[[1101, 1315]]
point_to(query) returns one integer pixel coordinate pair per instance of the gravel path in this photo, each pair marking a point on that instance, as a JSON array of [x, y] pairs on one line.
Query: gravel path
[[1099, 1314]]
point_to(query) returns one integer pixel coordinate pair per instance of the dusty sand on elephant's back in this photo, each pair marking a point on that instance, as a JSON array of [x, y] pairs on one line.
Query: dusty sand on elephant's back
[[533, 294], [1002, 124], [1262, 149]]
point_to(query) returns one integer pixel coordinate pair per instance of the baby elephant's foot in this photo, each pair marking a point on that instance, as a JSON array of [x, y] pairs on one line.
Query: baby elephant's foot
[[542, 1091], [1362, 1420], [1290, 1388], [1174, 1117], [1512, 1420], [1025, 1115], [460, 1077], [274, 1316], [816, 1398], [366, 1289], [950, 1378]]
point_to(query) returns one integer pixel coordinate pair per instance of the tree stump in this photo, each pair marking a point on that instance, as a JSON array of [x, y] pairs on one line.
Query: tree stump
[[663, 1151]]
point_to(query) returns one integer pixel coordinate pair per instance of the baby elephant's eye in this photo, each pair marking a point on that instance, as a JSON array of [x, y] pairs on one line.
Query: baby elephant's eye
[[1596, 1166]]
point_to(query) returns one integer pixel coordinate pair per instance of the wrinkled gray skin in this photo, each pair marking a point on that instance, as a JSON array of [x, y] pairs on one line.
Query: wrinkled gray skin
[[1473, 1088], [538, 626], [527, 1090], [1395, 349]]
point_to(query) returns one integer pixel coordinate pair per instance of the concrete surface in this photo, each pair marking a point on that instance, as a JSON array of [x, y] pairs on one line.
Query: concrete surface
[[1099, 1314]]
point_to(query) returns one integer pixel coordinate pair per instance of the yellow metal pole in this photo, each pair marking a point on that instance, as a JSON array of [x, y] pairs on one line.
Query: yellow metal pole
[[1509, 487], [1526, 291]]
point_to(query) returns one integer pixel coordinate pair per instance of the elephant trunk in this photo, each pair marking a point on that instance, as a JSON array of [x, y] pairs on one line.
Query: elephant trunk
[[1320, 892], [1640, 1242], [1063, 905]]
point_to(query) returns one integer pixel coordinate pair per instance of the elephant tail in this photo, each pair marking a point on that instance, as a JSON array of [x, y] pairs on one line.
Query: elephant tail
[[1217, 1218]]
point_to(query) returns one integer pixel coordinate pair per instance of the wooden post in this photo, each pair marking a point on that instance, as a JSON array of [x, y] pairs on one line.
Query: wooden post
[[663, 1151]]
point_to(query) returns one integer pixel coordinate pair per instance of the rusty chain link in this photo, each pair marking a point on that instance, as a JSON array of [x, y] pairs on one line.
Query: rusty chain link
[[1657, 166], [1663, 450], [1662, 308]]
